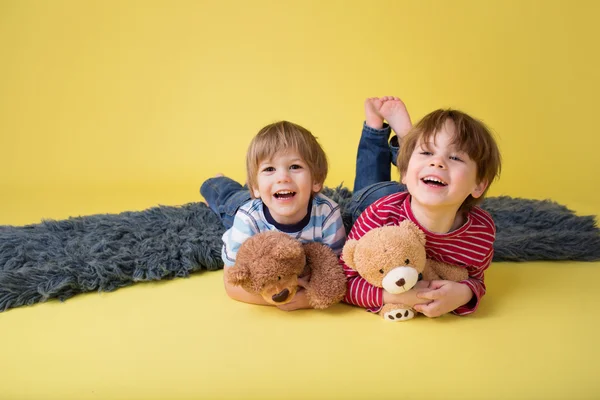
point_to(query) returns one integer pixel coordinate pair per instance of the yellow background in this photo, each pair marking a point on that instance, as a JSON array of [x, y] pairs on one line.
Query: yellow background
[[107, 106]]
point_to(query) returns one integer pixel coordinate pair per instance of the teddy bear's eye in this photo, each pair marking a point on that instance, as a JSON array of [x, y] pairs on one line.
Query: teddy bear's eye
[[381, 271], [407, 261], [278, 278]]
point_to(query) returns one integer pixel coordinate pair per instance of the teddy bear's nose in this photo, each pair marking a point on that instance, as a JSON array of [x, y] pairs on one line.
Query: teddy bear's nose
[[401, 282], [281, 296]]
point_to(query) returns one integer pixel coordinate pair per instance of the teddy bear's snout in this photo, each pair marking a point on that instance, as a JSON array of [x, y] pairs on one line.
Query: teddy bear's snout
[[281, 296], [400, 279]]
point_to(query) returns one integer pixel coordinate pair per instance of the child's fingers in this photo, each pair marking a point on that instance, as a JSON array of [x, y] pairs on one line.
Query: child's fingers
[[430, 294], [430, 310], [437, 284]]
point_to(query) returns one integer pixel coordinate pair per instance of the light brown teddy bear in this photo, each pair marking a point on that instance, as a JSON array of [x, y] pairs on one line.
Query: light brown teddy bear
[[392, 257], [269, 264]]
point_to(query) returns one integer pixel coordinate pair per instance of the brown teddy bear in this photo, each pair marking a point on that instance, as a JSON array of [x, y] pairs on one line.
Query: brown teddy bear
[[270, 263], [392, 257]]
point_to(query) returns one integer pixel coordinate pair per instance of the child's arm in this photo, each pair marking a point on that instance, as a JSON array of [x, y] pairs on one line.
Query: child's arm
[[239, 294], [443, 297], [462, 298], [243, 228]]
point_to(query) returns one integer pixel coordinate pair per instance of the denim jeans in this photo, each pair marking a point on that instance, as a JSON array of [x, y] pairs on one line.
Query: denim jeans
[[373, 163], [374, 159], [224, 196]]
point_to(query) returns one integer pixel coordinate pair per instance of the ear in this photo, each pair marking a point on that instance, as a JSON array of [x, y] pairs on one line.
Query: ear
[[256, 193], [479, 189], [237, 275], [411, 226], [317, 187], [348, 252], [403, 179]]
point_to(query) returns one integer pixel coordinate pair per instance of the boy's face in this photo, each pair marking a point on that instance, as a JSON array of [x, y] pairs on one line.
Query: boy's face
[[285, 185], [439, 174]]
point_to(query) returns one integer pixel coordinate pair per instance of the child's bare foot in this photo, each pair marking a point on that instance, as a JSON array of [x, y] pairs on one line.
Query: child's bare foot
[[395, 113], [373, 118], [219, 175]]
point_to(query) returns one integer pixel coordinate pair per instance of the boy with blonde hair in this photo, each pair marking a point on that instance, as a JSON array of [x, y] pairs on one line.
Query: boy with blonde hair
[[447, 162], [286, 168]]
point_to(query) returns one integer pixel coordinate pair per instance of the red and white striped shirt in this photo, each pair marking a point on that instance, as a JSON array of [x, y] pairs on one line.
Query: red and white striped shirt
[[471, 246]]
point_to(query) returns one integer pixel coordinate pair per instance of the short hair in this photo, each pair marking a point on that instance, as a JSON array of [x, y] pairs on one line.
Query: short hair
[[471, 136], [282, 136]]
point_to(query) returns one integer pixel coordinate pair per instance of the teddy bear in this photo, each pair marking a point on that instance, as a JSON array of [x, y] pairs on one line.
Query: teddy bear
[[392, 258], [270, 263]]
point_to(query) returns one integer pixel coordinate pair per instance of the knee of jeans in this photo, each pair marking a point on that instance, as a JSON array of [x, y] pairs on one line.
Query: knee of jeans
[[235, 201], [367, 196]]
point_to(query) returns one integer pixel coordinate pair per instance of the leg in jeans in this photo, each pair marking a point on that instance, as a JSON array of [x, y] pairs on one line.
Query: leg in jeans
[[373, 162], [224, 196]]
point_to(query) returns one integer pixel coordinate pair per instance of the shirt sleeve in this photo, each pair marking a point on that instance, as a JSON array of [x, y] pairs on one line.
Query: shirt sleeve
[[359, 292], [333, 231], [476, 283], [244, 227]]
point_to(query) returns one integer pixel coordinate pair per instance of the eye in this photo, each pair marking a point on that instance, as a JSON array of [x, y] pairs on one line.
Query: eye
[[268, 169], [407, 261], [295, 166], [425, 153], [278, 278], [455, 158], [381, 271]]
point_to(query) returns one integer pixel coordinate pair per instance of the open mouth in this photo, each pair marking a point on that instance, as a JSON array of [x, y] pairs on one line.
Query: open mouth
[[284, 195], [433, 181]]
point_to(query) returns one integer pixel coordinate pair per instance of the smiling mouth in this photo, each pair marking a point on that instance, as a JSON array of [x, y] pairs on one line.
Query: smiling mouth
[[284, 195], [432, 181]]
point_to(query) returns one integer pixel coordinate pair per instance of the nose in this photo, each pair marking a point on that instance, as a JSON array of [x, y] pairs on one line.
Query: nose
[[437, 163], [283, 175], [281, 296], [400, 282]]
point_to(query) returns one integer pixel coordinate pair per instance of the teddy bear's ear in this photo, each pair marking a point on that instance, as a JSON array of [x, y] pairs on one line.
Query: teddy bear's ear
[[415, 230], [288, 249], [237, 275], [348, 252]]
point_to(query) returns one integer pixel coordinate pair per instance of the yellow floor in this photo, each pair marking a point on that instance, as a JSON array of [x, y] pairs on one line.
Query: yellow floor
[[533, 337]]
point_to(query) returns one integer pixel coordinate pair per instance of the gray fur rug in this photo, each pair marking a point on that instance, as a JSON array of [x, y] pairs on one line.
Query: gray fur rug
[[58, 259]]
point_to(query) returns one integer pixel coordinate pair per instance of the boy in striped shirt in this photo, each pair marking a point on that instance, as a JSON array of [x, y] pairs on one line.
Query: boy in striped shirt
[[286, 168], [446, 162]]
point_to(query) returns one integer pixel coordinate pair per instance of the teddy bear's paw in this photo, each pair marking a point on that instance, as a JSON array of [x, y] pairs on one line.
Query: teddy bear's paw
[[398, 314]]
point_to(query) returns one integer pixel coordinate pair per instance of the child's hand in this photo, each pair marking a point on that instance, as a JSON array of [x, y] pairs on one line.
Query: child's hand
[[300, 301], [446, 296], [373, 118], [395, 113], [410, 297]]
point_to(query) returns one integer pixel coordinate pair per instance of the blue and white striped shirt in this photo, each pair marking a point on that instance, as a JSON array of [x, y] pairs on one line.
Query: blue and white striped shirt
[[325, 226]]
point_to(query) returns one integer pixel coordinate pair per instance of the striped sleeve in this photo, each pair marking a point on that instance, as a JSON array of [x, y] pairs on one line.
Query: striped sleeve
[[484, 225], [244, 226], [477, 286]]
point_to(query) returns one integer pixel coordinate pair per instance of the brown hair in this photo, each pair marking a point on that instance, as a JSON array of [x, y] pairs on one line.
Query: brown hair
[[282, 136], [471, 136]]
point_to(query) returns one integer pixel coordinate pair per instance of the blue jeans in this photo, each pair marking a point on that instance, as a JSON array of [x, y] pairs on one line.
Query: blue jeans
[[374, 158], [373, 162], [224, 196]]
